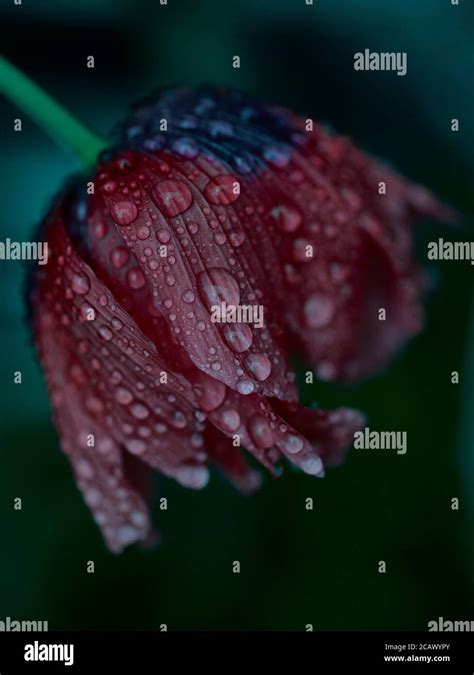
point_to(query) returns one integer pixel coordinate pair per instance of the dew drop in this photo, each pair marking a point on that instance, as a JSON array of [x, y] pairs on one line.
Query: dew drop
[[84, 469], [109, 187], [117, 324], [186, 147], [78, 374], [239, 337], [236, 237], [260, 432], [220, 238], [94, 405], [245, 386], [194, 477], [80, 284], [144, 431], [222, 189], [123, 396], [99, 230], [300, 248], [178, 419], [242, 163], [293, 444], [139, 411], [220, 128], [318, 310], [105, 333], [172, 197], [312, 466], [287, 218], [138, 519], [277, 156], [143, 232], [229, 419], [339, 273], [119, 257], [163, 236], [210, 392], [124, 213], [217, 285], [135, 278], [258, 366], [136, 446]]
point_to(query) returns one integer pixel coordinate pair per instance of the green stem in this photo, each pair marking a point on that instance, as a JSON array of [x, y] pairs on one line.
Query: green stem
[[48, 114]]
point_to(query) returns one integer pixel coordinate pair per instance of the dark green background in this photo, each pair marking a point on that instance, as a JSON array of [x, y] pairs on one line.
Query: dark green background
[[298, 567]]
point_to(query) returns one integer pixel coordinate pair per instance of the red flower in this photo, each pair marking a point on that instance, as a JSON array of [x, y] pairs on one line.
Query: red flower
[[221, 235]]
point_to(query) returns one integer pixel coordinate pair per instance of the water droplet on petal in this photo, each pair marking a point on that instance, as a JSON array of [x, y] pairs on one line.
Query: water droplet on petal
[[139, 411], [260, 432], [243, 163], [258, 366], [292, 275], [126, 534], [339, 273], [136, 446], [239, 337], [143, 232], [99, 230], [245, 387], [135, 278], [301, 247], [78, 374], [119, 257], [139, 519], [220, 128], [326, 371], [84, 469], [222, 189], [194, 477], [287, 218], [312, 466], [80, 284], [186, 147], [318, 310], [172, 197], [229, 419], [94, 405], [236, 237], [105, 333], [188, 296], [277, 156], [178, 419], [124, 213], [123, 396], [109, 187], [220, 238], [210, 393], [293, 444], [217, 285], [163, 236]]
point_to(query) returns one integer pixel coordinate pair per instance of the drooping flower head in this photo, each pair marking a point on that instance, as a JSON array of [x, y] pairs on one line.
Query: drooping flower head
[[217, 236]]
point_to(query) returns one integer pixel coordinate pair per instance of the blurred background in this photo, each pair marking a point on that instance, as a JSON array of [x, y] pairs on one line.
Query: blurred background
[[298, 567]]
